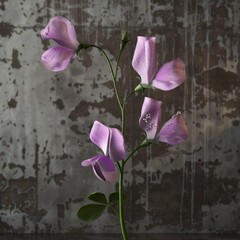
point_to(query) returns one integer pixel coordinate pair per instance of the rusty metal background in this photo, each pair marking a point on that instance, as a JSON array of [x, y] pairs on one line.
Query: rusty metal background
[[46, 117]]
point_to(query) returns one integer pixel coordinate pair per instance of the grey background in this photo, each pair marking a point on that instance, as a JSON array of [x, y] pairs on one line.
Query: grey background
[[46, 117]]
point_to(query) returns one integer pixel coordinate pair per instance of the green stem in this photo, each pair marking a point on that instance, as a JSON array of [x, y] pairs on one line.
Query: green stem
[[118, 60], [121, 210], [121, 169], [123, 120], [120, 165]]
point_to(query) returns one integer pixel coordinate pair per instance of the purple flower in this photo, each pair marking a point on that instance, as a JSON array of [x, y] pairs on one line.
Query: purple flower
[[62, 31], [169, 76], [111, 141], [173, 132]]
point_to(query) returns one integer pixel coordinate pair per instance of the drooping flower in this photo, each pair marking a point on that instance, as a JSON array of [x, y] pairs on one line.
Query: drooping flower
[[62, 31], [111, 141], [173, 132], [169, 76]]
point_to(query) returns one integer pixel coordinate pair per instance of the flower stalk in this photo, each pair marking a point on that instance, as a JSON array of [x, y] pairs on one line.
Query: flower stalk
[[122, 108], [111, 140], [121, 206]]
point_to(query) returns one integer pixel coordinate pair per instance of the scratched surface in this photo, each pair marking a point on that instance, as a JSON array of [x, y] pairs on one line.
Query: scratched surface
[[46, 117]]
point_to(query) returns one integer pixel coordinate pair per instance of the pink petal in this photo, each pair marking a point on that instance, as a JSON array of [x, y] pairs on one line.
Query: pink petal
[[170, 75], [57, 58], [144, 59], [174, 131], [90, 161], [104, 169], [100, 135], [150, 117], [116, 148], [62, 31]]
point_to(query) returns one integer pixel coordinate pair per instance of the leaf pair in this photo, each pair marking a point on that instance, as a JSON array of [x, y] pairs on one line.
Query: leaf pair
[[91, 212]]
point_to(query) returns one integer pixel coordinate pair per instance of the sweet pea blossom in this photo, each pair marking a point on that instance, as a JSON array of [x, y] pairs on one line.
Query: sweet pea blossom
[[173, 132], [169, 76], [62, 31], [111, 141]]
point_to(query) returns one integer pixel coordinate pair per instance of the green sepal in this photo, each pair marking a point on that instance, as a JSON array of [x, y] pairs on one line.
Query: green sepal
[[91, 212], [83, 46], [141, 87], [114, 197], [98, 197], [148, 142]]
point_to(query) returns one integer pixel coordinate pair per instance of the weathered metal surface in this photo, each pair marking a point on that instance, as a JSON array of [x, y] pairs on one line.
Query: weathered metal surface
[[46, 117]]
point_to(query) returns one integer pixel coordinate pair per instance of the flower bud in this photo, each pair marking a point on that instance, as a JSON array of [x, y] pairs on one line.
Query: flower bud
[[124, 40]]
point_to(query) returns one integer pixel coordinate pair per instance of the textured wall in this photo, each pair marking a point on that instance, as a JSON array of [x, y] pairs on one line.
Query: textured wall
[[45, 117]]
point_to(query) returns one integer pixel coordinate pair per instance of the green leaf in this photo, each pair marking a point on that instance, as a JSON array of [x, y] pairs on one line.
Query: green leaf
[[91, 212], [98, 197], [114, 197]]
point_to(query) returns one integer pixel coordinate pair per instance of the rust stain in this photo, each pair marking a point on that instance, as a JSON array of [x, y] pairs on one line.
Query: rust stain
[[15, 61], [13, 165], [59, 178], [86, 59], [6, 228], [59, 104], [220, 81], [6, 29], [81, 110], [21, 194], [12, 103], [75, 129]]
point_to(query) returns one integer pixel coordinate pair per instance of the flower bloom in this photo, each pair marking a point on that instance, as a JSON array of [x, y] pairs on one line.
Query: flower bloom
[[111, 141], [173, 132], [62, 31], [169, 76]]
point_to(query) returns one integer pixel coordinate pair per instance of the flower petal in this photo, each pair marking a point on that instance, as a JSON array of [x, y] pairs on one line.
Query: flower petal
[[57, 58], [150, 117], [116, 148], [90, 161], [144, 59], [104, 169], [170, 75], [174, 131], [62, 31], [100, 135]]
